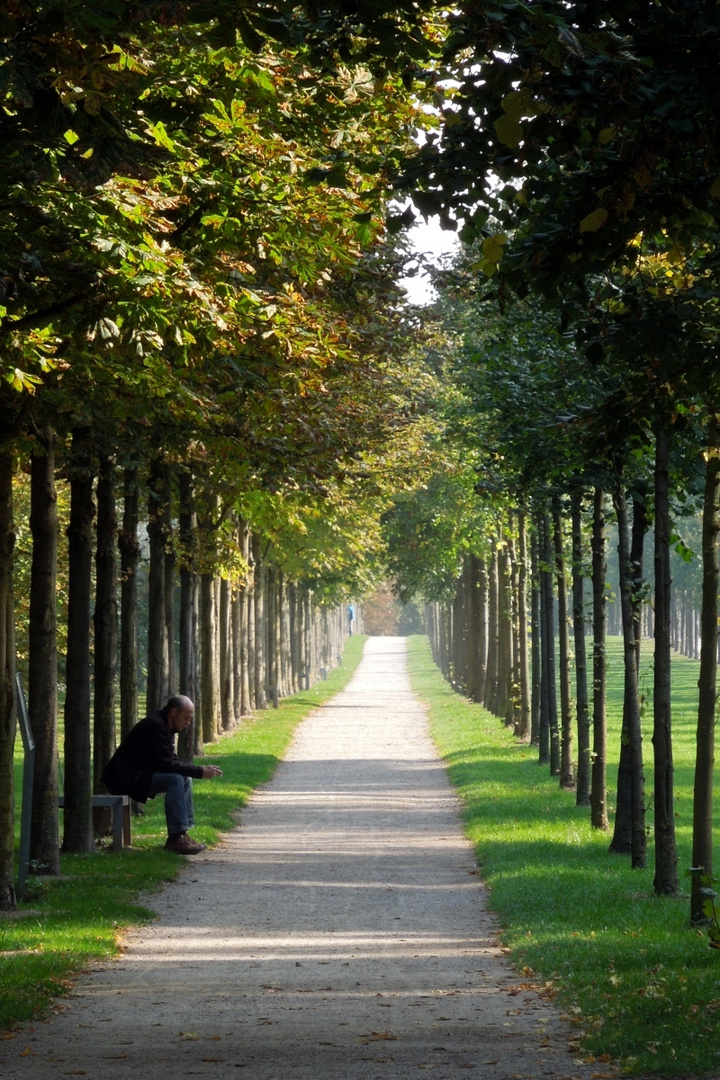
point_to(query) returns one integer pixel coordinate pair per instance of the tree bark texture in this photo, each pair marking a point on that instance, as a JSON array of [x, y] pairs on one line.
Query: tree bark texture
[[129, 548], [105, 625], [210, 660], [523, 725], [492, 649], [171, 674], [535, 637], [157, 650], [567, 778], [503, 706], [702, 846], [42, 658], [260, 625], [7, 685], [549, 723], [632, 693], [622, 834], [227, 693], [598, 792], [582, 797], [665, 881], [78, 832]]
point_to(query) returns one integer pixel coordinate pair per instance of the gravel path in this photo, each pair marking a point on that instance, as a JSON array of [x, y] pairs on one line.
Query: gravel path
[[340, 933]]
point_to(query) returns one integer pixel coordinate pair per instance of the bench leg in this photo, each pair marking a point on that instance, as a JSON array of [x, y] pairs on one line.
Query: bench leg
[[117, 826], [127, 836]]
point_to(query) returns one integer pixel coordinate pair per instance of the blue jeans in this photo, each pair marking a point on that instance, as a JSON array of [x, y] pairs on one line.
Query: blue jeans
[[178, 800]]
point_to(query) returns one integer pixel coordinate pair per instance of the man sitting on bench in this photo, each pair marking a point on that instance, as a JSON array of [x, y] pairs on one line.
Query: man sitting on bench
[[145, 765]]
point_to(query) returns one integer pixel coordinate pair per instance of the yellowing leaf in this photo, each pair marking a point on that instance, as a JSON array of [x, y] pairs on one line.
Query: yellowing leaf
[[517, 103], [606, 135], [596, 220], [161, 136], [715, 189], [486, 266], [451, 118], [493, 247], [508, 131]]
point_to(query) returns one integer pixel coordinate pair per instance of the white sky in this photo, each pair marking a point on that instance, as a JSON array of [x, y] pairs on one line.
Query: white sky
[[429, 238]]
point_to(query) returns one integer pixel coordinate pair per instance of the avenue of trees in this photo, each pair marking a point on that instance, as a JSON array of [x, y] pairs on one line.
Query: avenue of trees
[[206, 397], [576, 155], [198, 316]]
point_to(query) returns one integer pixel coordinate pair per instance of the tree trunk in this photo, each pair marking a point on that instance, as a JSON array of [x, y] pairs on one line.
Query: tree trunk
[[535, 636], [260, 625], [171, 673], [707, 684], [7, 685], [505, 634], [251, 634], [523, 726], [42, 659], [567, 779], [157, 651], [105, 637], [598, 792], [78, 832], [227, 714], [622, 840], [581, 672], [271, 639], [492, 651], [549, 724], [210, 665], [666, 881], [188, 673], [632, 694], [129, 561]]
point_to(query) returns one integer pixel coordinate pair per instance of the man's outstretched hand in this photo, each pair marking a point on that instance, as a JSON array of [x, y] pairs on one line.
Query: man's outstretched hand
[[209, 771]]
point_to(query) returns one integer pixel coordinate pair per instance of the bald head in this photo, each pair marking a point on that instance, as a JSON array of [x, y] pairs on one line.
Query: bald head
[[180, 712]]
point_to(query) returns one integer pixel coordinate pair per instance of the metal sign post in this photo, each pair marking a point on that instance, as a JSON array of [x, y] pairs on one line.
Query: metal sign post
[[28, 775]]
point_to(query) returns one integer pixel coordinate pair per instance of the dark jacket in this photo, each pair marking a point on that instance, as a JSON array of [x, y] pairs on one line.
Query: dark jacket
[[146, 749]]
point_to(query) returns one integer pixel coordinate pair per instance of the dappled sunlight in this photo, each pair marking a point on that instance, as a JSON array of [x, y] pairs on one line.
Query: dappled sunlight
[[208, 946]]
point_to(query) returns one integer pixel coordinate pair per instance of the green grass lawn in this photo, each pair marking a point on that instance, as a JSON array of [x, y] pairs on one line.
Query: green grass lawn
[[64, 923], [639, 984]]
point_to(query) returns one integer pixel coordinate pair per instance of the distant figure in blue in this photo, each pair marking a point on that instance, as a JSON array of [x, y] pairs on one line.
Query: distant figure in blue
[[351, 616]]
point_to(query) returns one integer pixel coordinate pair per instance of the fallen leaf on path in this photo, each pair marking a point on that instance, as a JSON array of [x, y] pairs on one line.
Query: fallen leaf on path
[[188, 1034], [378, 1036]]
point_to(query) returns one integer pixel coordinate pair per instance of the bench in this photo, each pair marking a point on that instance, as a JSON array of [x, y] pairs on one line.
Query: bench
[[121, 817]]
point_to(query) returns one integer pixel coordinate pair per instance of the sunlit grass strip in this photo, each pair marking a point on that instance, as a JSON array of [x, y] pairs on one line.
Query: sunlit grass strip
[[65, 923], [639, 985]]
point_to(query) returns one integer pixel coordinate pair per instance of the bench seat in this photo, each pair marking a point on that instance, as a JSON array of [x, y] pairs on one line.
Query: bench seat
[[121, 817]]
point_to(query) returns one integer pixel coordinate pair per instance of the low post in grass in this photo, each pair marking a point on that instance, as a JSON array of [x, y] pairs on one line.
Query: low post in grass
[[28, 773]]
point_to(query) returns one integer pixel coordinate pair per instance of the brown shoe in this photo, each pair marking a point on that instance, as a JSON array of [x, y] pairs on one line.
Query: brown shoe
[[184, 845], [192, 840]]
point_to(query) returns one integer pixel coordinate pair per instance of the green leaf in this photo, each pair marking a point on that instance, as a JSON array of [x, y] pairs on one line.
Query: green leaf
[[508, 131]]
